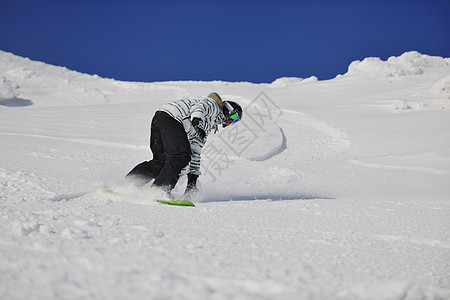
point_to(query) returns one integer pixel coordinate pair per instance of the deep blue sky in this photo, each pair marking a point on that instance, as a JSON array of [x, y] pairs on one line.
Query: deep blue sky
[[256, 41]]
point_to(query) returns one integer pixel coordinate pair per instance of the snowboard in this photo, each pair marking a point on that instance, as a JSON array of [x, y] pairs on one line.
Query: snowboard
[[168, 202], [176, 202]]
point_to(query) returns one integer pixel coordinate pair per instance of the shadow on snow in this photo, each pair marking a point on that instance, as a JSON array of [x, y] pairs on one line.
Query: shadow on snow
[[15, 102], [265, 197]]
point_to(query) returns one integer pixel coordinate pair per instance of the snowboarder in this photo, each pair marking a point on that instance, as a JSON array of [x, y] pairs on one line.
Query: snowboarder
[[178, 133]]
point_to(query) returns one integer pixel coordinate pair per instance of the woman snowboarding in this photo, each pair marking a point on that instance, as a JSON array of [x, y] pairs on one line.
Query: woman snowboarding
[[178, 133]]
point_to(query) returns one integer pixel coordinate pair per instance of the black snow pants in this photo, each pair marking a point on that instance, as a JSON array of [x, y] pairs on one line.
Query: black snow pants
[[171, 153]]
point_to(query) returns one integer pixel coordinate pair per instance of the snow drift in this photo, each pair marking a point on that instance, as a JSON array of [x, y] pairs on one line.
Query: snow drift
[[332, 189]]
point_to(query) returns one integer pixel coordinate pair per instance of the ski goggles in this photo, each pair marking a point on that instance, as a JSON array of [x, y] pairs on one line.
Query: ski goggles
[[232, 113]]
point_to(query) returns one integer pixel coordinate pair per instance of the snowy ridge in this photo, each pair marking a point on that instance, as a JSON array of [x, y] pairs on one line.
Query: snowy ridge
[[286, 81], [409, 63], [333, 189]]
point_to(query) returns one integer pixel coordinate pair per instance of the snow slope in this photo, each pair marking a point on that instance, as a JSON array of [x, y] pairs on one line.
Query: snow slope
[[333, 189]]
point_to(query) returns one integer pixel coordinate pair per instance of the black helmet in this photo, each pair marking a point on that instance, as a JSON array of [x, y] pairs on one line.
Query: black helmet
[[233, 110]]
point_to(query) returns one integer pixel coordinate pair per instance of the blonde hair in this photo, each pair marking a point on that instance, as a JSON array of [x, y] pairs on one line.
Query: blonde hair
[[216, 98]]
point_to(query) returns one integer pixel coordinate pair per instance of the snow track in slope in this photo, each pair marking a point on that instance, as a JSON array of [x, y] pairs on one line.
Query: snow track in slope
[[339, 139], [79, 141]]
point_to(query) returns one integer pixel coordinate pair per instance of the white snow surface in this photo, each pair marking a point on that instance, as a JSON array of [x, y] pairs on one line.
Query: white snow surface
[[336, 189]]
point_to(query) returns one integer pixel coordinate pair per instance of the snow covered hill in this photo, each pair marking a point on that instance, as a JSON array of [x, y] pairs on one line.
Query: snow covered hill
[[334, 189]]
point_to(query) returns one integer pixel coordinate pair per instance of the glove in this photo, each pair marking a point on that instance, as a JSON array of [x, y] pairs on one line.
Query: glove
[[196, 122], [191, 184]]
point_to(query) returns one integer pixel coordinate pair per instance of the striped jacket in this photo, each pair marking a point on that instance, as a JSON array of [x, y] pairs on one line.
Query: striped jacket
[[211, 117]]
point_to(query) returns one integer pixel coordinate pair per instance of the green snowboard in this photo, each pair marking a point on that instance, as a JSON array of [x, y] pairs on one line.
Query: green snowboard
[[176, 202]]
